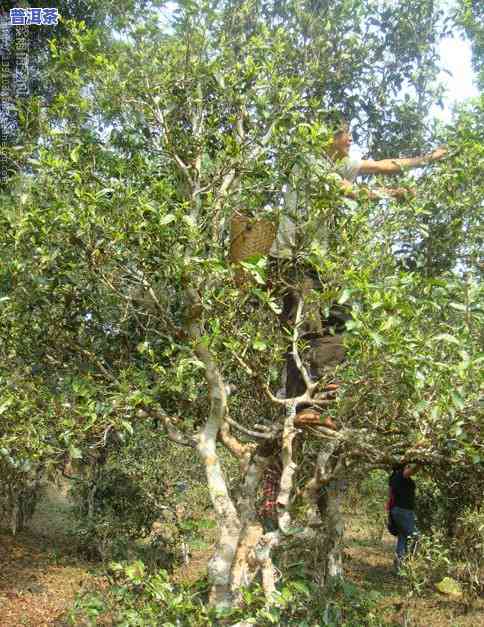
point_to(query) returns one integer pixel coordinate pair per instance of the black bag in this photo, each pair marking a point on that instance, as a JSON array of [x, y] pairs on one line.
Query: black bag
[[391, 525]]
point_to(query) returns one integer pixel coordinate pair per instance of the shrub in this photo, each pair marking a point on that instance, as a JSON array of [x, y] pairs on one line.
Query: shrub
[[468, 547], [428, 562], [19, 495], [133, 502], [430, 506], [137, 598]]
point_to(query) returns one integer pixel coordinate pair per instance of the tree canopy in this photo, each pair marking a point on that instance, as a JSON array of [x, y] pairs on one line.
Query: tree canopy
[[117, 296]]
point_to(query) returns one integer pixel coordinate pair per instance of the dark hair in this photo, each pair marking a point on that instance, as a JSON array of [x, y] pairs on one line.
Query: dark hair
[[337, 121], [398, 467]]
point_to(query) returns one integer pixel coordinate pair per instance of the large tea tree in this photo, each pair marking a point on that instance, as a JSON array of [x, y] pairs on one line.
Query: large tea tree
[[117, 296]]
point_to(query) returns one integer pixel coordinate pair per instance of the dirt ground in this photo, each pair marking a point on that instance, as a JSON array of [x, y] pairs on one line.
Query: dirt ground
[[41, 574], [368, 563]]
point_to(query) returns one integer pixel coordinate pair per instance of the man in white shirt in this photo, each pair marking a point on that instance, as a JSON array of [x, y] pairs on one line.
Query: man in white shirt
[[346, 169], [324, 336]]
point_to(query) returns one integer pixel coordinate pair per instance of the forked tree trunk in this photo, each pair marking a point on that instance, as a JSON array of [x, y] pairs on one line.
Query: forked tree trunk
[[245, 565], [228, 523], [243, 550]]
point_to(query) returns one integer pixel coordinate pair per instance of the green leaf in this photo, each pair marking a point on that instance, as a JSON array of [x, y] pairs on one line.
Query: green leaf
[[421, 405], [353, 324], [190, 220], [446, 337], [450, 587], [302, 587], [135, 571], [377, 338], [75, 453], [128, 426], [458, 306], [389, 322], [259, 345], [115, 567], [344, 296], [166, 219], [272, 615], [277, 309], [457, 399]]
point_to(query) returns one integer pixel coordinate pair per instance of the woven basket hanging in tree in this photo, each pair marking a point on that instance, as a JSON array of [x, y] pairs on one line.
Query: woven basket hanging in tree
[[249, 237]]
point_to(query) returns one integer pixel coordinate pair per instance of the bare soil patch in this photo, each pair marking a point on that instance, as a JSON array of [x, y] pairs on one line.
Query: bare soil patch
[[40, 572], [369, 564]]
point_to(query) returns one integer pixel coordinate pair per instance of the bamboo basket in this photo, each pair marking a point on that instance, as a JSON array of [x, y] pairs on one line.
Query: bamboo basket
[[249, 237]]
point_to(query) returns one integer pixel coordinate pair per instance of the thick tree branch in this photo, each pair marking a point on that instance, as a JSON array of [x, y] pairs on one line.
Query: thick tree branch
[[265, 435], [174, 434], [225, 511], [310, 386], [235, 446], [246, 564], [288, 470]]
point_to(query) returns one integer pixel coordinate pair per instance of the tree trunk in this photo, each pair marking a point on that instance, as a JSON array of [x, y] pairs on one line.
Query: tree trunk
[[329, 558], [245, 564], [220, 565], [22, 501]]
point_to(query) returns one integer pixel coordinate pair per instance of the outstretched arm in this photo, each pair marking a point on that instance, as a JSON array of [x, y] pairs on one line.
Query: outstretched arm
[[374, 194], [394, 166]]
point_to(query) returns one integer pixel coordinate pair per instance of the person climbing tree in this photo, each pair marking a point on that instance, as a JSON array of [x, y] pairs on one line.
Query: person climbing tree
[[324, 335]]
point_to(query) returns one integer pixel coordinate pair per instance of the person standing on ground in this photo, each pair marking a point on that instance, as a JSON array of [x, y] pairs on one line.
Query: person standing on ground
[[402, 490]]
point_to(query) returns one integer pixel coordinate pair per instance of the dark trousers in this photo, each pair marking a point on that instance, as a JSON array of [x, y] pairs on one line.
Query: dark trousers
[[321, 347], [404, 520]]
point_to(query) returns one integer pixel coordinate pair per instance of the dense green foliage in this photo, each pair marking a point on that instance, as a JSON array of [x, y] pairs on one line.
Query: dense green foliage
[[146, 500], [153, 135], [135, 598], [471, 16]]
